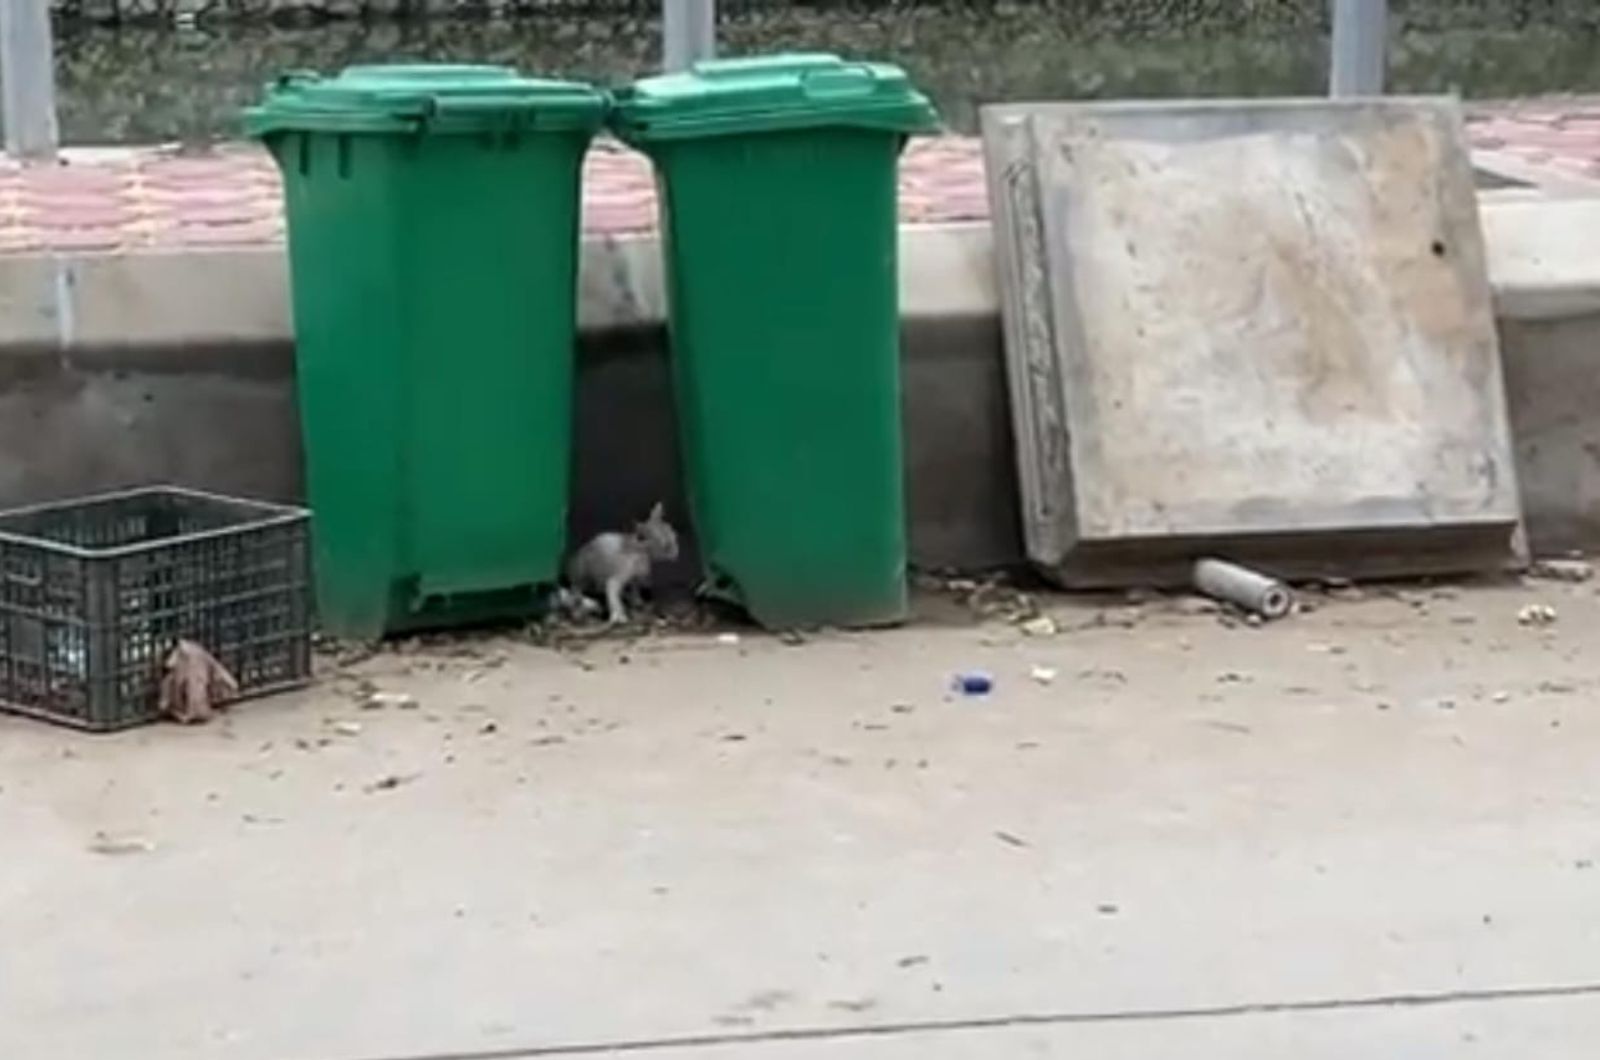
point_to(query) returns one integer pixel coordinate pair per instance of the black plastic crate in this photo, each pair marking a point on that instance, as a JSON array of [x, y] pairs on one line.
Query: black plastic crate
[[95, 593]]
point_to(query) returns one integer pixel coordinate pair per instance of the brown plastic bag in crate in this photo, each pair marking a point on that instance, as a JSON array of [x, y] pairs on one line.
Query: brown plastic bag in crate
[[195, 684]]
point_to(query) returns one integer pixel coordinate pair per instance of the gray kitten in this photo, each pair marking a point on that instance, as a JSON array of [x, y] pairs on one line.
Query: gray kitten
[[616, 564]]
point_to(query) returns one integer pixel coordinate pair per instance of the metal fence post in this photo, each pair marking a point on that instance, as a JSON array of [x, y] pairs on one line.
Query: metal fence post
[[28, 79], [1360, 43], [688, 32]]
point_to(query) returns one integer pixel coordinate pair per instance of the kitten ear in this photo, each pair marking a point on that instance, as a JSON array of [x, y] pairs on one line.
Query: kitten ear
[[658, 514]]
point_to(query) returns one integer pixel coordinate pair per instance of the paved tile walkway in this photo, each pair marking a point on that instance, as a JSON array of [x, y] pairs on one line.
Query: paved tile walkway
[[114, 201], [1561, 135]]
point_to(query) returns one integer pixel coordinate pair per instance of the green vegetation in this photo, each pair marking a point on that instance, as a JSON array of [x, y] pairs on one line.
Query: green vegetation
[[141, 84]]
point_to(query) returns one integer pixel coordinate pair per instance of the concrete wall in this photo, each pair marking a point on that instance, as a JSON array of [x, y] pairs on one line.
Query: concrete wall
[[116, 371], [224, 418], [1553, 387]]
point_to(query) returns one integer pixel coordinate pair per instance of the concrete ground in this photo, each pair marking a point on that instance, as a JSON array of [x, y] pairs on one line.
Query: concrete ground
[[1370, 830]]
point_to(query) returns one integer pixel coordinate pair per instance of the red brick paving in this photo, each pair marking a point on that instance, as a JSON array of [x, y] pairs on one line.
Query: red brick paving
[[1561, 134], [138, 199]]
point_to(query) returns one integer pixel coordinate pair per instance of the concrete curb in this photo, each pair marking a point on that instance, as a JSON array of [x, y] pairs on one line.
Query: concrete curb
[[1541, 266]]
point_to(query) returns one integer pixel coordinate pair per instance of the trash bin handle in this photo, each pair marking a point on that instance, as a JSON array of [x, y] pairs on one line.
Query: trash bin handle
[[836, 82], [516, 109]]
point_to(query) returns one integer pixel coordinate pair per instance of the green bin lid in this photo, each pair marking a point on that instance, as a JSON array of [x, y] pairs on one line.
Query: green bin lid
[[424, 98], [769, 93]]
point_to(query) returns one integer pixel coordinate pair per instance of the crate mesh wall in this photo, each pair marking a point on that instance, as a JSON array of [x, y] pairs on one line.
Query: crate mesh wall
[[84, 635]]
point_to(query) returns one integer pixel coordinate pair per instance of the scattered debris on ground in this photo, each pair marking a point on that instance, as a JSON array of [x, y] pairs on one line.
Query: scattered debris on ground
[[1258, 595], [564, 631], [343, 654], [1537, 615], [1228, 726], [992, 597], [389, 782], [1570, 570], [865, 1004], [1192, 606], [1039, 626], [114, 845], [384, 700], [972, 683], [1112, 618]]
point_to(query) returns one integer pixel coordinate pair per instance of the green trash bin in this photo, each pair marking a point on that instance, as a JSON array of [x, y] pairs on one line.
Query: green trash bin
[[779, 209], [433, 216]]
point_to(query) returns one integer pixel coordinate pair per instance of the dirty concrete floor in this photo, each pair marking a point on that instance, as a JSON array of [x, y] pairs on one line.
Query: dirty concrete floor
[[1372, 825]]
